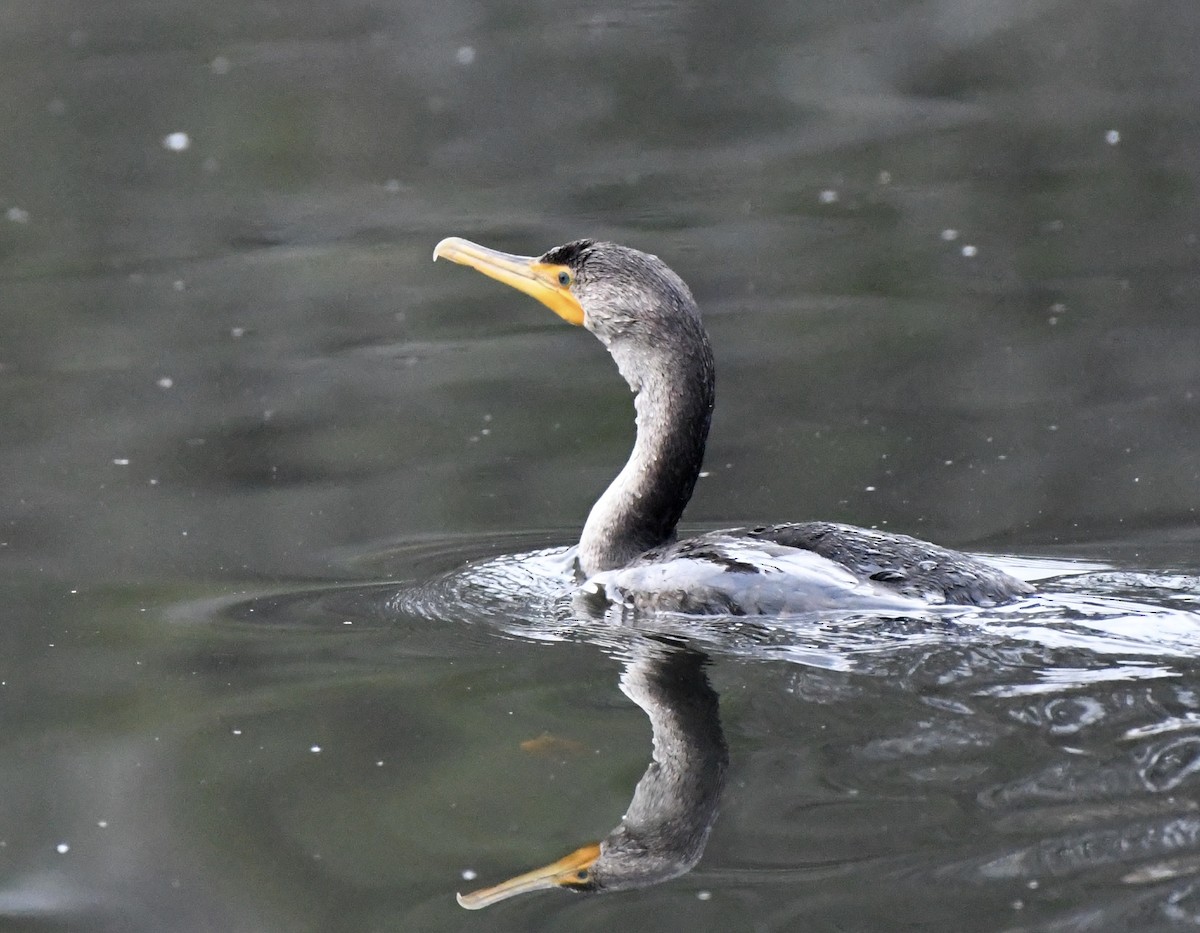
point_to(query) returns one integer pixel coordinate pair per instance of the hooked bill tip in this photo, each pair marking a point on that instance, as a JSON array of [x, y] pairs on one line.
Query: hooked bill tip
[[442, 244]]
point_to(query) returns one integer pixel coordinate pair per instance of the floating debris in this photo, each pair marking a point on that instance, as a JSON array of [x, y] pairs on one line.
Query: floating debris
[[547, 745]]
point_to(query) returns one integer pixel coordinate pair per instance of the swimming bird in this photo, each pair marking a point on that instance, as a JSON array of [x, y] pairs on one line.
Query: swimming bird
[[628, 554]]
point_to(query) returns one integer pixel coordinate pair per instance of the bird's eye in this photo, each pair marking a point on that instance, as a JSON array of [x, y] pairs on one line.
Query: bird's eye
[[582, 874], [564, 278]]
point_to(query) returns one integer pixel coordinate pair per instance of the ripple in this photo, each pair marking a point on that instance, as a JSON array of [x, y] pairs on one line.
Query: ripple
[[1080, 628], [1165, 766]]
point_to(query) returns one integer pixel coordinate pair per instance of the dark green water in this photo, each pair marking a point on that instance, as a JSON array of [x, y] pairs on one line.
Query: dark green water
[[947, 253]]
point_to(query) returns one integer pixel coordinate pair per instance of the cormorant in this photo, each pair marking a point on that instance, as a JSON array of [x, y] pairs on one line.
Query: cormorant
[[646, 317]]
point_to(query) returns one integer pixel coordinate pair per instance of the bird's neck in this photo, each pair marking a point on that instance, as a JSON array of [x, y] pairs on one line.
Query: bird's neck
[[642, 506]]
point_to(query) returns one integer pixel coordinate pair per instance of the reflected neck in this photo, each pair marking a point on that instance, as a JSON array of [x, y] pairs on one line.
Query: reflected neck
[[674, 806], [642, 506]]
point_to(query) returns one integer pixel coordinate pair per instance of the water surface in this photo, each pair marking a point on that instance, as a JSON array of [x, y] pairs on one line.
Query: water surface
[[250, 436]]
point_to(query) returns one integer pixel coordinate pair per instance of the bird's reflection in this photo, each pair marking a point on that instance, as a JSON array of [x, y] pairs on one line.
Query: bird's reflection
[[674, 805]]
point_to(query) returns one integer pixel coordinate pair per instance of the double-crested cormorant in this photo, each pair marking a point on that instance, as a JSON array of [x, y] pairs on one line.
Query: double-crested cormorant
[[645, 316]]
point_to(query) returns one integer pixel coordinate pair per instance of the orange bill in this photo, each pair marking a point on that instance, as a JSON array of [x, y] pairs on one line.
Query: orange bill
[[549, 283]]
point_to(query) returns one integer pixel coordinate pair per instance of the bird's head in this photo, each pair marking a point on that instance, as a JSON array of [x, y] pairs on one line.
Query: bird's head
[[621, 295]]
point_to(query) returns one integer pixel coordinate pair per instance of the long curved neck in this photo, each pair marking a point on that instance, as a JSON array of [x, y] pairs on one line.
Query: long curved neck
[[642, 506]]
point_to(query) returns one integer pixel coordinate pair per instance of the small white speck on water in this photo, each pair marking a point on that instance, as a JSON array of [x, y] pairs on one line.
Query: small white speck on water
[[828, 196], [154, 481], [347, 622], [62, 848], [1112, 137], [868, 489], [220, 65], [949, 234], [120, 461], [1052, 427], [17, 215], [177, 142], [379, 764], [165, 382], [316, 749], [469, 874], [704, 473], [392, 186], [236, 731], [465, 55], [704, 895], [970, 251], [237, 332], [179, 285], [103, 824], [884, 177]]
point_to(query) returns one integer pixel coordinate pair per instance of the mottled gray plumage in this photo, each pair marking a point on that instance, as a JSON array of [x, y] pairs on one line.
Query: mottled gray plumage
[[645, 315], [909, 566]]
